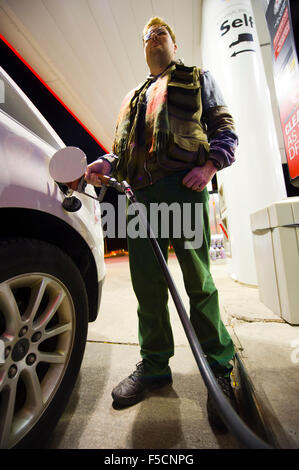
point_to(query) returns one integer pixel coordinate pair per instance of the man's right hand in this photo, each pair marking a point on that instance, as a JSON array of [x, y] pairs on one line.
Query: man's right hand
[[99, 167]]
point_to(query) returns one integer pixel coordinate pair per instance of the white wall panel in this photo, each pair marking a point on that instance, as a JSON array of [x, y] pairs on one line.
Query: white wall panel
[[183, 24], [164, 9]]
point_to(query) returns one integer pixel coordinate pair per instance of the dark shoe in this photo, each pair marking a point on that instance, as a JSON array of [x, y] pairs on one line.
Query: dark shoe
[[213, 414], [135, 387]]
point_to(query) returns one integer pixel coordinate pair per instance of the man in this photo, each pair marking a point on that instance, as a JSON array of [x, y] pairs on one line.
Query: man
[[173, 133]]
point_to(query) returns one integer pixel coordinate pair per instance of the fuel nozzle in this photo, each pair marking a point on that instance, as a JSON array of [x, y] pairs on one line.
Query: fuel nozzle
[[122, 187], [113, 183]]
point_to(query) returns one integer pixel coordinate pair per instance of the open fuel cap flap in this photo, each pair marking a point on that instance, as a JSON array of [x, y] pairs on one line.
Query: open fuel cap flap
[[68, 164]]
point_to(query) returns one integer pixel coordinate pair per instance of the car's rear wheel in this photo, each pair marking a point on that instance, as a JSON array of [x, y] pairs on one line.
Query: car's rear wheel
[[43, 328]]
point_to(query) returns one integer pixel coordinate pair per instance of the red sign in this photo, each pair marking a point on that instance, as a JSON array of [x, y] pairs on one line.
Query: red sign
[[286, 76], [291, 141], [281, 34]]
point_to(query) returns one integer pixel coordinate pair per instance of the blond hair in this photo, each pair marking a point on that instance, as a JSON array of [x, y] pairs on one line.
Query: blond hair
[[158, 21]]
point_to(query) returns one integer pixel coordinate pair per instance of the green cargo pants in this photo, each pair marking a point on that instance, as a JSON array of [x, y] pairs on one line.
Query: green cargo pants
[[155, 332]]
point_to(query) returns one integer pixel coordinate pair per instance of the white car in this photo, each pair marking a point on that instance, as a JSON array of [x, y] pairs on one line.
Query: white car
[[51, 275]]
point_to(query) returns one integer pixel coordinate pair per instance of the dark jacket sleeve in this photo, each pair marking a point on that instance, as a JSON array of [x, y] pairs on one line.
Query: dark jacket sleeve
[[110, 158], [219, 124]]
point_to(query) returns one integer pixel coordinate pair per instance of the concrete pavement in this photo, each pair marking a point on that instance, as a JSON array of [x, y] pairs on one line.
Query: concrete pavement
[[175, 417]]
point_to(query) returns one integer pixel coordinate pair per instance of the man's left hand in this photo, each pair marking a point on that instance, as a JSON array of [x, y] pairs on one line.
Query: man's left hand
[[198, 178]]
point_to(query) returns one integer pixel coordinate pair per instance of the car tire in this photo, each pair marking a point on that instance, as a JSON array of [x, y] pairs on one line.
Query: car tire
[[43, 330]]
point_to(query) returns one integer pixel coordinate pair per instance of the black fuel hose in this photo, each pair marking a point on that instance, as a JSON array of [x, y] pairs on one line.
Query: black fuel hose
[[229, 416]]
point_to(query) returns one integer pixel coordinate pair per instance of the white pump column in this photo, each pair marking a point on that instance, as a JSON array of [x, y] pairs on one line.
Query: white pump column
[[230, 50]]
